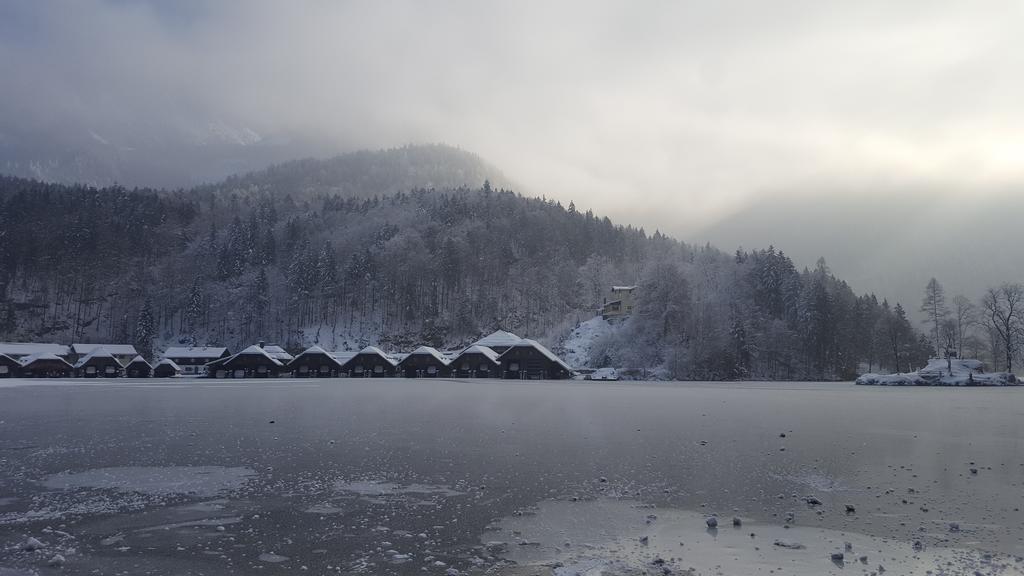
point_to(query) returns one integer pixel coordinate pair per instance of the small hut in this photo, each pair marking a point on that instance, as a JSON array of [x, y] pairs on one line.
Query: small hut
[[370, 362], [314, 362], [99, 363], [45, 365], [138, 368], [424, 362], [166, 368], [476, 362], [9, 367], [529, 360], [253, 362]]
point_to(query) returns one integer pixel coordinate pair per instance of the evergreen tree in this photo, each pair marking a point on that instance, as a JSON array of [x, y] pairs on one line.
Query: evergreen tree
[[145, 330]]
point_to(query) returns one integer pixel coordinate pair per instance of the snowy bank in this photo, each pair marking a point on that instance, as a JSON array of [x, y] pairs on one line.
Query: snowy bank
[[940, 373]]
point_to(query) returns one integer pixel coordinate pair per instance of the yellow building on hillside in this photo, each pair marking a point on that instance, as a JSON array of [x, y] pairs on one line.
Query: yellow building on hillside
[[619, 304]]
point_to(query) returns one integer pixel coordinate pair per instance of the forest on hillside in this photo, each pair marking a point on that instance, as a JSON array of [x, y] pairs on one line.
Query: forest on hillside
[[245, 261]]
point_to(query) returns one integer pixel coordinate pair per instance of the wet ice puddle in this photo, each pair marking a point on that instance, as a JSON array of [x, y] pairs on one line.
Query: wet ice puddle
[[608, 536]]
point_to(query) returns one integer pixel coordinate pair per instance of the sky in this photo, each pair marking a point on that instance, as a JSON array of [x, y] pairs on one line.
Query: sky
[[706, 120]]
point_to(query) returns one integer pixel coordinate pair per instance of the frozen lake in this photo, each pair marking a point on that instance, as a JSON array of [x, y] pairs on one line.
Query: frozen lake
[[508, 477]]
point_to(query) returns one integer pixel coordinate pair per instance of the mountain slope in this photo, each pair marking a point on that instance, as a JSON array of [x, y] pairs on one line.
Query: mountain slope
[[327, 252], [367, 173]]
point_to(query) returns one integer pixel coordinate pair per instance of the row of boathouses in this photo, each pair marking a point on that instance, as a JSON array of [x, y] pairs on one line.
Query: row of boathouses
[[498, 355], [97, 361]]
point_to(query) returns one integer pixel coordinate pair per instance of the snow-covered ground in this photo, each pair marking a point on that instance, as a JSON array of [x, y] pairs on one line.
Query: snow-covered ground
[[958, 372], [580, 341]]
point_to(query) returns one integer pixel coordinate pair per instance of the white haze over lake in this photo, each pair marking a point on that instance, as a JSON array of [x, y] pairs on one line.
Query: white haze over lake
[[709, 121]]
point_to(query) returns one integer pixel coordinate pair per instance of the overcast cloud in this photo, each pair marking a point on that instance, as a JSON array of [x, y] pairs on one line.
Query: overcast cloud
[[676, 115]]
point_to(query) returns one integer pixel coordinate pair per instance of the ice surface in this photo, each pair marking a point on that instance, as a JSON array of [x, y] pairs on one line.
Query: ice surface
[[610, 536], [203, 481], [372, 488]]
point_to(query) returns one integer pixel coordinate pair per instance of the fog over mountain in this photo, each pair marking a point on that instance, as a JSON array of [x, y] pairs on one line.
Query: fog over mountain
[[875, 134]]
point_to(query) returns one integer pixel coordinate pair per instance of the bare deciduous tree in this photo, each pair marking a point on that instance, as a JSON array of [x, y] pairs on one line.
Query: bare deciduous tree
[[965, 316], [934, 306], [1004, 311]]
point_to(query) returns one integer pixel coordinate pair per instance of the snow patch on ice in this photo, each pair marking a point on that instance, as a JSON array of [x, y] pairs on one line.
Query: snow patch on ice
[[609, 536], [203, 481]]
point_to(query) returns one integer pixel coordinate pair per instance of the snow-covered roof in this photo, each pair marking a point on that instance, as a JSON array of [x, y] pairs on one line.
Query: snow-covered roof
[[498, 338], [212, 352], [623, 288], [42, 356], [168, 362], [477, 349], [277, 353], [343, 356], [255, 350], [96, 353], [428, 351], [377, 351], [138, 359], [314, 349], [113, 349], [28, 348], [527, 343]]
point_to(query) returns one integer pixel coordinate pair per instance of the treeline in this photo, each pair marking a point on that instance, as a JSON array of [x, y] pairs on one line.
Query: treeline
[[232, 264], [706, 315], [991, 328]]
